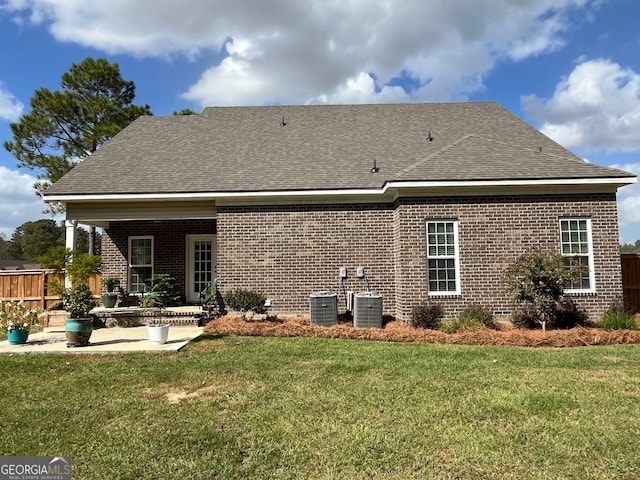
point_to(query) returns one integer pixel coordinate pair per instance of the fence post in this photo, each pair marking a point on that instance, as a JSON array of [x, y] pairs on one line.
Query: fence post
[[43, 279]]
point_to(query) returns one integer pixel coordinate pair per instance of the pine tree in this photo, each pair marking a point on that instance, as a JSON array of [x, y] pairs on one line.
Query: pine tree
[[65, 126]]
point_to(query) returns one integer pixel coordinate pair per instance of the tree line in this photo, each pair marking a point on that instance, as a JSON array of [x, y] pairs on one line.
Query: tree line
[[32, 240]]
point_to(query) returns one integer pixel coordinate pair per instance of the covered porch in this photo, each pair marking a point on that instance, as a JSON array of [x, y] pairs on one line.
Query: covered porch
[[139, 240]]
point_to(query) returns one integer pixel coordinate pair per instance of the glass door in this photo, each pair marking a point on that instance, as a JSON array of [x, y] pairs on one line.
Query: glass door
[[201, 266]]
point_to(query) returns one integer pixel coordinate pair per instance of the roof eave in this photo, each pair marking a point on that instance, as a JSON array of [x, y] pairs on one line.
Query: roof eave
[[389, 190]]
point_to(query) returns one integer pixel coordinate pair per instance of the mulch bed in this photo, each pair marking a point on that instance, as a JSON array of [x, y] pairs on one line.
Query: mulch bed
[[396, 331]]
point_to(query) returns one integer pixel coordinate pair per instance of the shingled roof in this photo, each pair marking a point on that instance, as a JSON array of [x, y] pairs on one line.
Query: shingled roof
[[323, 147]]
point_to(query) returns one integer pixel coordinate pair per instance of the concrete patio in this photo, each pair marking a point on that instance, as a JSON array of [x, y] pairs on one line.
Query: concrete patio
[[104, 340]]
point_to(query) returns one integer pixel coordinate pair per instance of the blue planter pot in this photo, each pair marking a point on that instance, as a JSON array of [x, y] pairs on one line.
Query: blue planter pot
[[78, 331], [109, 300], [17, 337]]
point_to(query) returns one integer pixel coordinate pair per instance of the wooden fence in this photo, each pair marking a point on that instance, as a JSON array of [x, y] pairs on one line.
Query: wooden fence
[[33, 287], [631, 280]]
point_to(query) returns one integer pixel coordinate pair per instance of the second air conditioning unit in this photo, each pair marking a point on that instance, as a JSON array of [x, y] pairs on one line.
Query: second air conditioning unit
[[367, 310]]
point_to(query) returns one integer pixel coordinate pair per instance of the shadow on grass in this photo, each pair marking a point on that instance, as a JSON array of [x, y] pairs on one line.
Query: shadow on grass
[[208, 337]]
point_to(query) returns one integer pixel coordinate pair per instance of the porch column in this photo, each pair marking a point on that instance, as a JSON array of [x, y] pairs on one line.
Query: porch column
[[70, 242]]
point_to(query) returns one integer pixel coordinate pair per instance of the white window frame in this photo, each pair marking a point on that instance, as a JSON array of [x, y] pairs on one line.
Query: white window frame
[[455, 257], [589, 255], [131, 239]]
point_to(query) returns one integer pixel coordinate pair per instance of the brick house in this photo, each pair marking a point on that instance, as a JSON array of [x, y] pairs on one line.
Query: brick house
[[432, 200]]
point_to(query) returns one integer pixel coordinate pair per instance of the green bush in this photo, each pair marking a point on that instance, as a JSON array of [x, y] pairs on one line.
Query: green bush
[[83, 266], [427, 315], [461, 323], [564, 314], [78, 300], [617, 318], [537, 279], [245, 301], [568, 315], [478, 314], [525, 316]]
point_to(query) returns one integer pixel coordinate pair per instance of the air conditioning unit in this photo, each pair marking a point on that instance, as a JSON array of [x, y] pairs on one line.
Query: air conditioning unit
[[367, 310], [323, 308]]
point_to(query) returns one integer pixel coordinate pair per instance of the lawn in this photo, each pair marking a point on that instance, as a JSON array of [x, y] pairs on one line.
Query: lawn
[[251, 407]]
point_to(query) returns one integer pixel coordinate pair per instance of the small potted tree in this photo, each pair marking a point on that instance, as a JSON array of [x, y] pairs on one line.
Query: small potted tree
[[110, 298], [78, 300], [161, 294]]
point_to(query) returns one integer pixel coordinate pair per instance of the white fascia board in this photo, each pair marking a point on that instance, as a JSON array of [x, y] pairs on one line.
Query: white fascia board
[[389, 191], [613, 181], [217, 195]]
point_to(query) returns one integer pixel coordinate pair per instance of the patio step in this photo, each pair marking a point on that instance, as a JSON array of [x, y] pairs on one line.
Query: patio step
[[129, 317]]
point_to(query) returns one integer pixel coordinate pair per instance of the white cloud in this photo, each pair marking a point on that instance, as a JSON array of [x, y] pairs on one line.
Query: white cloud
[[10, 107], [18, 201], [597, 107], [298, 52], [629, 206]]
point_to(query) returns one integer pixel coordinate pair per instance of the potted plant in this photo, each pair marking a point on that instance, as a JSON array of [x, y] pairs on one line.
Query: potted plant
[[16, 321], [158, 332], [110, 298], [78, 301], [161, 294]]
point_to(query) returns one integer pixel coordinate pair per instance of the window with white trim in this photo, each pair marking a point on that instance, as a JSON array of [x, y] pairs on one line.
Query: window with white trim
[[443, 272], [140, 262], [577, 250]]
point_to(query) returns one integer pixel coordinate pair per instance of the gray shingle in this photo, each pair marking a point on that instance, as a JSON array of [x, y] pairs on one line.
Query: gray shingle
[[234, 149]]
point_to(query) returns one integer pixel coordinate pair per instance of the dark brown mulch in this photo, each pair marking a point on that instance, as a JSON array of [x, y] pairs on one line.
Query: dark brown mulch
[[399, 332]]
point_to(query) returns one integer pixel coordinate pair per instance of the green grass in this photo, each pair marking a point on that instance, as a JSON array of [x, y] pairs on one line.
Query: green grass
[[236, 407]]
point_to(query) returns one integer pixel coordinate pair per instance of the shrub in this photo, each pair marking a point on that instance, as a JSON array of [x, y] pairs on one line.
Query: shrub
[[568, 315], [427, 315], [478, 314], [78, 300], [245, 301], [83, 266], [538, 278], [461, 323], [525, 316], [617, 318]]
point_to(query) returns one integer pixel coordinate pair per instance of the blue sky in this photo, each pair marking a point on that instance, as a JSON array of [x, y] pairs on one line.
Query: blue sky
[[570, 68]]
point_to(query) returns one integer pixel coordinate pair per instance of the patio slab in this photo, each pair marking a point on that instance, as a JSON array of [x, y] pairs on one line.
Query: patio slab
[[104, 340]]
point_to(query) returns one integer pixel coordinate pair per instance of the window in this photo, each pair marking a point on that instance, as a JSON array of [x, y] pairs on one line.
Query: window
[[575, 246], [140, 262], [442, 257]]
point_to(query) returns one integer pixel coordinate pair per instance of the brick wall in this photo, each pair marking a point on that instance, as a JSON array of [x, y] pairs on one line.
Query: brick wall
[[289, 252], [492, 232], [169, 246]]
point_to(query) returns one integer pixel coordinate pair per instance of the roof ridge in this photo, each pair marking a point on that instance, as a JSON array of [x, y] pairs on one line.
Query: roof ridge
[[538, 150], [434, 154]]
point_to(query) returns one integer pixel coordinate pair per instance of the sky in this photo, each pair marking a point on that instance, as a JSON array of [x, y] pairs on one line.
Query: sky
[[570, 68]]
